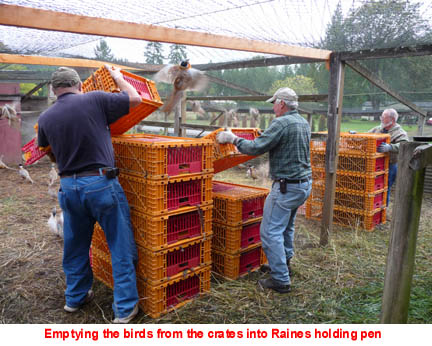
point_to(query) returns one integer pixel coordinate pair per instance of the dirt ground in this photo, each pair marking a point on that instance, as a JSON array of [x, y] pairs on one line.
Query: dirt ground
[[31, 277]]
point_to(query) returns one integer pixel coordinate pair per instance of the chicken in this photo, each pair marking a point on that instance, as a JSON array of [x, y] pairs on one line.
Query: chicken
[[183, 77], [9, 112], [196, 107], [251, 172], [24, 173], [52, 191], [53, 176], [254, 115], [55, 222], [2, 164]]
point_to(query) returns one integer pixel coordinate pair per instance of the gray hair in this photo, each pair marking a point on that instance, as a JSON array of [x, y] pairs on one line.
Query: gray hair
[[391, 113]]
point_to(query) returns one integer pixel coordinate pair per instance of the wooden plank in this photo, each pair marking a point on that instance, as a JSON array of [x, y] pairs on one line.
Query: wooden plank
[[60, 21], [301, 98], [51, 61], [363, 71], [170, 125], [32, 91], [404, 229], [398, 52], [334, 117], [26, 76], [262, 62]]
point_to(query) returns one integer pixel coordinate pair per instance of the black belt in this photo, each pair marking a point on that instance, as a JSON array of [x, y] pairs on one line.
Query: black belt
[[109, 172], [294, 181]]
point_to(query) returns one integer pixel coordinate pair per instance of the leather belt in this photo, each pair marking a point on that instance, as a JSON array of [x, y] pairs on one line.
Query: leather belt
[[110, 173], [294, 181]]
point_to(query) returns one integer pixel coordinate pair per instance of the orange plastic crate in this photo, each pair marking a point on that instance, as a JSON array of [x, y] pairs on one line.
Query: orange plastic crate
[[99, 240], [102, 80], [173, 294], [32, 153], [156, 267], [101, 266], [364, 201], [161, 232], [376, 162], [235, 203], [234, 239], [235, 266], [353, 181], [226, 155], [156, 197], [366, 220], [160, 157], [357, 144]]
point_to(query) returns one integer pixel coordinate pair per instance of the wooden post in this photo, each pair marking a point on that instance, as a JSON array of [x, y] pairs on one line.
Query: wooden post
[[177, 120], [244, 121], [309, 120], [183, 116], [332, 148], [404, 229]]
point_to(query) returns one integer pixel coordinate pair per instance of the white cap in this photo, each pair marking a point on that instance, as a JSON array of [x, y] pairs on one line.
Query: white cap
[[286, 94]]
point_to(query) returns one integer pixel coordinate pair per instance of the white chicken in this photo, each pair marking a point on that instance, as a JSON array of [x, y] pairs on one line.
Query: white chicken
[[2, 164], [24, 173], [183, 77], [52, 191], [9, 112], [55, 222], [53, 176]]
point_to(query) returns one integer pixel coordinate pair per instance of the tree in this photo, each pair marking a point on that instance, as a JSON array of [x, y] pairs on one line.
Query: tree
[[300, 84], [154, 53], [177, 53], [103, 51], [380, 24]]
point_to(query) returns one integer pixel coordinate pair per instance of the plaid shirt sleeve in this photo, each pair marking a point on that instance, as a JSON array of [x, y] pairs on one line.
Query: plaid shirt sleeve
[[262, 144]]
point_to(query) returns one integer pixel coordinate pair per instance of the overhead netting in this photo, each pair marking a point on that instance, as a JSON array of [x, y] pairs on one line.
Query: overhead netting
[[294, 22]]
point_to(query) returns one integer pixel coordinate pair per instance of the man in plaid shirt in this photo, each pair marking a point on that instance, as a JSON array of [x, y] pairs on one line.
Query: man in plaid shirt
[[287, 141]]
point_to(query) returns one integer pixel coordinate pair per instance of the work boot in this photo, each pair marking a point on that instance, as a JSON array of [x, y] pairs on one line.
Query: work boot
[[265, 268], [272, 284]]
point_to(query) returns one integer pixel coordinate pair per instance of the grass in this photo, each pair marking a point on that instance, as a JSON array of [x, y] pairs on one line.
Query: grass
[[339, 283]]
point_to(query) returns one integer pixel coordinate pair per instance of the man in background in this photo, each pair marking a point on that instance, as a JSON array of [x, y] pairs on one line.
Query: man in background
[[397, 135]]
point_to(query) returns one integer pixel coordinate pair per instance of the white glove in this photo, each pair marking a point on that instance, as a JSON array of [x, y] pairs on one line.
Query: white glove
[[226, 137], [114, 72]]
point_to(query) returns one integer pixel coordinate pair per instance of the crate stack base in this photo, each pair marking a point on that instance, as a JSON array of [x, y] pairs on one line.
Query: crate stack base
[[168, 185], [236, 244], [361, 181]]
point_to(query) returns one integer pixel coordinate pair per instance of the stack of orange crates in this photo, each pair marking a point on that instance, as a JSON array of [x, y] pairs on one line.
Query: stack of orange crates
[[361, 180], [168, 184], [236, 244]]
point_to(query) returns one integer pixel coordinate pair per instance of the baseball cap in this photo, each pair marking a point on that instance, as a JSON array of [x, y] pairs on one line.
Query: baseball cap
[[286, 94], [65, 77]]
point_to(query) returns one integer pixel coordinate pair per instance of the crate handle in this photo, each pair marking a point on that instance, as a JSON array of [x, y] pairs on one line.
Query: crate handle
[[251, 239]]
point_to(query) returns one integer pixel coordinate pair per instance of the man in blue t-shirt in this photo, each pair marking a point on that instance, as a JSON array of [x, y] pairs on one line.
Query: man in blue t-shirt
[[77, 129]]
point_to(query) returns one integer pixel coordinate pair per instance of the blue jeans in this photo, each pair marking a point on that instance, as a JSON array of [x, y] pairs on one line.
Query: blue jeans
[[391, 179], [277, 226], [85, 200]]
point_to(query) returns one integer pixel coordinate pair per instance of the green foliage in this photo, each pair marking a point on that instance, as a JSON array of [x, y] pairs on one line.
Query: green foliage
[[103, 51], [154, 53], [300, 84], [380, 24], [177, 53]]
